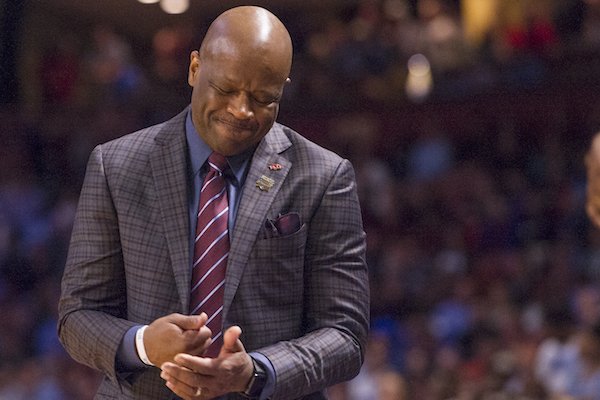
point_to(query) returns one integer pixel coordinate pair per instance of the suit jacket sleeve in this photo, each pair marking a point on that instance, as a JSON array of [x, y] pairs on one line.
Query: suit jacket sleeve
[[92, 307], [336, 311]]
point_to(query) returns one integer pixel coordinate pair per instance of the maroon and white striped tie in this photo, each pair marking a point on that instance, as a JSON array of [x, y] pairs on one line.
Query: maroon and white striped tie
[[211, 249]]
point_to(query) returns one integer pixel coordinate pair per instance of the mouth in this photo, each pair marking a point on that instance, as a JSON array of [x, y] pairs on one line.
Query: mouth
[[237, 125]]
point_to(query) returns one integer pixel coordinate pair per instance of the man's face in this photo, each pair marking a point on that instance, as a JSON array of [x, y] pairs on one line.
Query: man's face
[[235, 100]]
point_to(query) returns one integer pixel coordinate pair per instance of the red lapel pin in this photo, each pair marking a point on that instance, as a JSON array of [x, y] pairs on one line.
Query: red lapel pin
[[275, 167]]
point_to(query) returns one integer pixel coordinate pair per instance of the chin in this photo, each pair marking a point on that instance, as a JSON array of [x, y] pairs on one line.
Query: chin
[[232, 148]]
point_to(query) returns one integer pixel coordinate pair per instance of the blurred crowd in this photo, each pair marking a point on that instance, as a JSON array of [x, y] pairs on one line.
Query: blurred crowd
[[485, 271]]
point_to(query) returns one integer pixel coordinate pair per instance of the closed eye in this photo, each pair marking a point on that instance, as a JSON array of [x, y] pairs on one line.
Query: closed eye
[[265, 100], [220, 90]]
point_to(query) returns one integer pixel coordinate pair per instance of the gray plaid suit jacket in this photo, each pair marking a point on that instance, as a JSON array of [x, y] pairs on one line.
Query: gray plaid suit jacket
[[300, 299]]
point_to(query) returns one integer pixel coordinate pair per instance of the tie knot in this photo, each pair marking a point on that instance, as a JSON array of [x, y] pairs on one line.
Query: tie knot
[[218, 162]]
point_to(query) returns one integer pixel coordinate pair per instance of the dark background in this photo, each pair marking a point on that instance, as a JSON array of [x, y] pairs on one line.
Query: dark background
[[472, 190]]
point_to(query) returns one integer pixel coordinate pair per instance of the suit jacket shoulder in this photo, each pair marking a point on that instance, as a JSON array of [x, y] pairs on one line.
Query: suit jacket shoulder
[[304, 148], [132, 151], [309, 159]]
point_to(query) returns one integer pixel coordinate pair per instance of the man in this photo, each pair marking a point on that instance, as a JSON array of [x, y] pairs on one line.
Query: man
[[294, 306]]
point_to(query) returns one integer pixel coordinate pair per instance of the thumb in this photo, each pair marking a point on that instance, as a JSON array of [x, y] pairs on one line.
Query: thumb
[[231, 340], [187, 322]]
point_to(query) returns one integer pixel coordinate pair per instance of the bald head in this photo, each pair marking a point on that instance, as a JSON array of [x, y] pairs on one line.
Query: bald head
[[238, 77], [252, 33]]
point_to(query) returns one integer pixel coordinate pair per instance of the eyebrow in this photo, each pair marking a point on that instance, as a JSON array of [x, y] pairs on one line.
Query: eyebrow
[[275, 95]]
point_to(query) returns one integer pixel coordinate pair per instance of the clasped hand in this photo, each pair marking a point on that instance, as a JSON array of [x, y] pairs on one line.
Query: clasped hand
[[176, 342]]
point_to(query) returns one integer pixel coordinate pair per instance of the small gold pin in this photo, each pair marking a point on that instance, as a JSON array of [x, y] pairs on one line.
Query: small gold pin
[[275, 167], [265, 183]]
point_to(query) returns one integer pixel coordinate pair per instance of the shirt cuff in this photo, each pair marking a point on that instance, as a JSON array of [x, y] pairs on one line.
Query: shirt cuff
[[270, 370], [127, 357]]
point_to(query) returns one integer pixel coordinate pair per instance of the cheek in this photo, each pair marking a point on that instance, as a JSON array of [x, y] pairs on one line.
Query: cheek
[[204, 99], [267, 118], [212, 104]]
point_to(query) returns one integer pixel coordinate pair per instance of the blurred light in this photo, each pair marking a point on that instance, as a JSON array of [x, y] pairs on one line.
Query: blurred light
[[148, 1], [419, 81], [396, 10], [479, 17], [174, 6], [418, 65]]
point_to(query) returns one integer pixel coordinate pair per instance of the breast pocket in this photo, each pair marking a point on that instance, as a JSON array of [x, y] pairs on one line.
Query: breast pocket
[[288, 247], [276, 267]]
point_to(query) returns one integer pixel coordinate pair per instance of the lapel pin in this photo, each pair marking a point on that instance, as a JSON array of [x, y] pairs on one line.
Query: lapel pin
[[265, 183], [275, 167]]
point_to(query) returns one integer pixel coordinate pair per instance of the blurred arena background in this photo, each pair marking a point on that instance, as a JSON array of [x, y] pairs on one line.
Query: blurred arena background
[[466, 121]]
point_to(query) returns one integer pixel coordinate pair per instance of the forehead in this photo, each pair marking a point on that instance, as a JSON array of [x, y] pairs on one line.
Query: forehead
[[247, 55], [246, 70]]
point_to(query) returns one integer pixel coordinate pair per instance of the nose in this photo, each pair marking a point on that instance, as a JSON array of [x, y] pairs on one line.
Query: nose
[[240, 106]]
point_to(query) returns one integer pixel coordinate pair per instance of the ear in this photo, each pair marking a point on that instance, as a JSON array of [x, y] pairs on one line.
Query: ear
[[194, 67]]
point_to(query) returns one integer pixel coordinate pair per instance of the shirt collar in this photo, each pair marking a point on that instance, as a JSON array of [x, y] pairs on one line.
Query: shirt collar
[[199, 152]]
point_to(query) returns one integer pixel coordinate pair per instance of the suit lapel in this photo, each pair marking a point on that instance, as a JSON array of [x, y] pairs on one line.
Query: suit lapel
[[169, 170], [254, 205]]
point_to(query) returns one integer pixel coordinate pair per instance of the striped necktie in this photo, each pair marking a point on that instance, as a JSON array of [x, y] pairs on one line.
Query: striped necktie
[[211, 249]]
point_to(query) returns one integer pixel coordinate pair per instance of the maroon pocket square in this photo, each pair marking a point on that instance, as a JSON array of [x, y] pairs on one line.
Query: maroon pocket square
[[283, 225]]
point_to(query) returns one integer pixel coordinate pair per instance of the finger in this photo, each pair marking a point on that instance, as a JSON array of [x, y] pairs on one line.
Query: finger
[[179, 387], [231, 340], [201, 365], [182, 376], [183, 391], [189, 322], [200, 338], [183, 380], [202, 332]]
